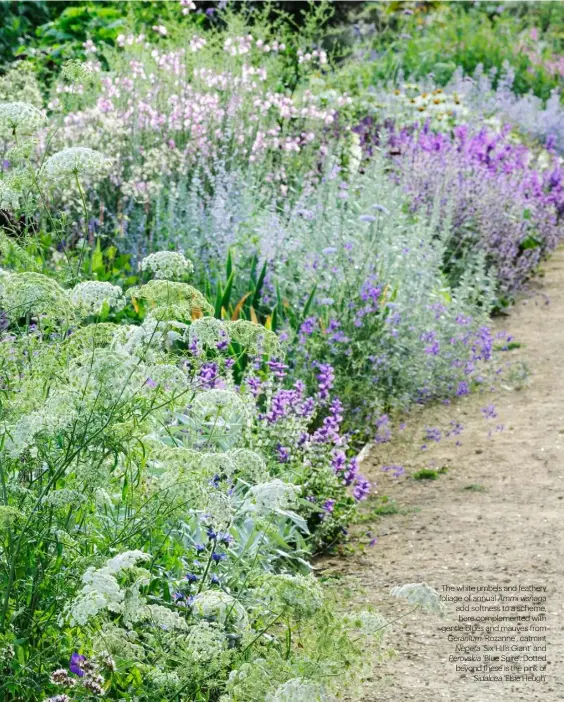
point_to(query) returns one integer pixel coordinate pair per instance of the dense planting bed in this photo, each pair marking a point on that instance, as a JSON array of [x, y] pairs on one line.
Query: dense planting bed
[[232, 254]]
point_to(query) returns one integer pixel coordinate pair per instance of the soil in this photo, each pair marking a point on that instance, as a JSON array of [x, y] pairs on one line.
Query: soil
[[495, 517]]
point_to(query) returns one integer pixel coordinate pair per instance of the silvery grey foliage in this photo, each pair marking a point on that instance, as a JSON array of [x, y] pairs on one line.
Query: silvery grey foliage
[[531, 115]]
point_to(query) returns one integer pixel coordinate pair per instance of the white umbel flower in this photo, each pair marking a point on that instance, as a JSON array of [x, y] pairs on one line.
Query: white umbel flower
[[208, 332], [55, 415], [274, 495], [20, 117], [421, 595], [206, 643], [249, 465], [101, 590], [167, 265], [368, 623], [218, 509], [34, 294], [9, 197], [220, 607], [126, 560], [164, 618], [165, 680], [254, 337], [301, 690], [299, 595], [167, 377], [89, 297], [77, 160], [103, 375]]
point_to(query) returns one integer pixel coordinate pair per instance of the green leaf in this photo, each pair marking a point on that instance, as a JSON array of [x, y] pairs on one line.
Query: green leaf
[[105, 311], [260, 283], [274, 323], [299, 521], [227, 293], [253, 273], [309, 302], [110, 253], [218, 300], [279, 302], [124, 488], [530, 242], [97, 259]]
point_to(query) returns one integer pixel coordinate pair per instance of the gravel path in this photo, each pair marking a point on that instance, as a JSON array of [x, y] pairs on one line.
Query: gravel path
[[495, 517]]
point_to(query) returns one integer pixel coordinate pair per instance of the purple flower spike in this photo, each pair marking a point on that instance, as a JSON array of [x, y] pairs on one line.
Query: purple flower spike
[[325, 378], [283, 454]]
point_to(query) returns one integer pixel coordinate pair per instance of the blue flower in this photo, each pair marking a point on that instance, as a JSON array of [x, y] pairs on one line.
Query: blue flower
[[75, 665], [224, 538], [215, 481], [489, 412], [432, 434]]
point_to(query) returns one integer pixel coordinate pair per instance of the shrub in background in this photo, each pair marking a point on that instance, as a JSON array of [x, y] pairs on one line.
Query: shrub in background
[[437, 38]]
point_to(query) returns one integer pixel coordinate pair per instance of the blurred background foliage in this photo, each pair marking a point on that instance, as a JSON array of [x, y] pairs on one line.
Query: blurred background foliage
[[437, 37], [416, 37]]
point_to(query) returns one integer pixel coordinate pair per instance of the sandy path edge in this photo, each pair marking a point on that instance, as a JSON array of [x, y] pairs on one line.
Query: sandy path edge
[[509, 528]]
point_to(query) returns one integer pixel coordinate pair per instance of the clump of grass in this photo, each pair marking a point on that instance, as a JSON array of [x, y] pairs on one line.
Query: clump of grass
[[426, 474], [511, 346], [386, 507]]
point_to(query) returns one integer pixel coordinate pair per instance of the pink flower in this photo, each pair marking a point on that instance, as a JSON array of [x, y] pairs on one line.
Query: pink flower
[[89, 47]]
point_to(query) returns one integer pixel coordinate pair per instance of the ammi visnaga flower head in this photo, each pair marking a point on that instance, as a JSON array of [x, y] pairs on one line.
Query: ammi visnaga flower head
[[77, 160]]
